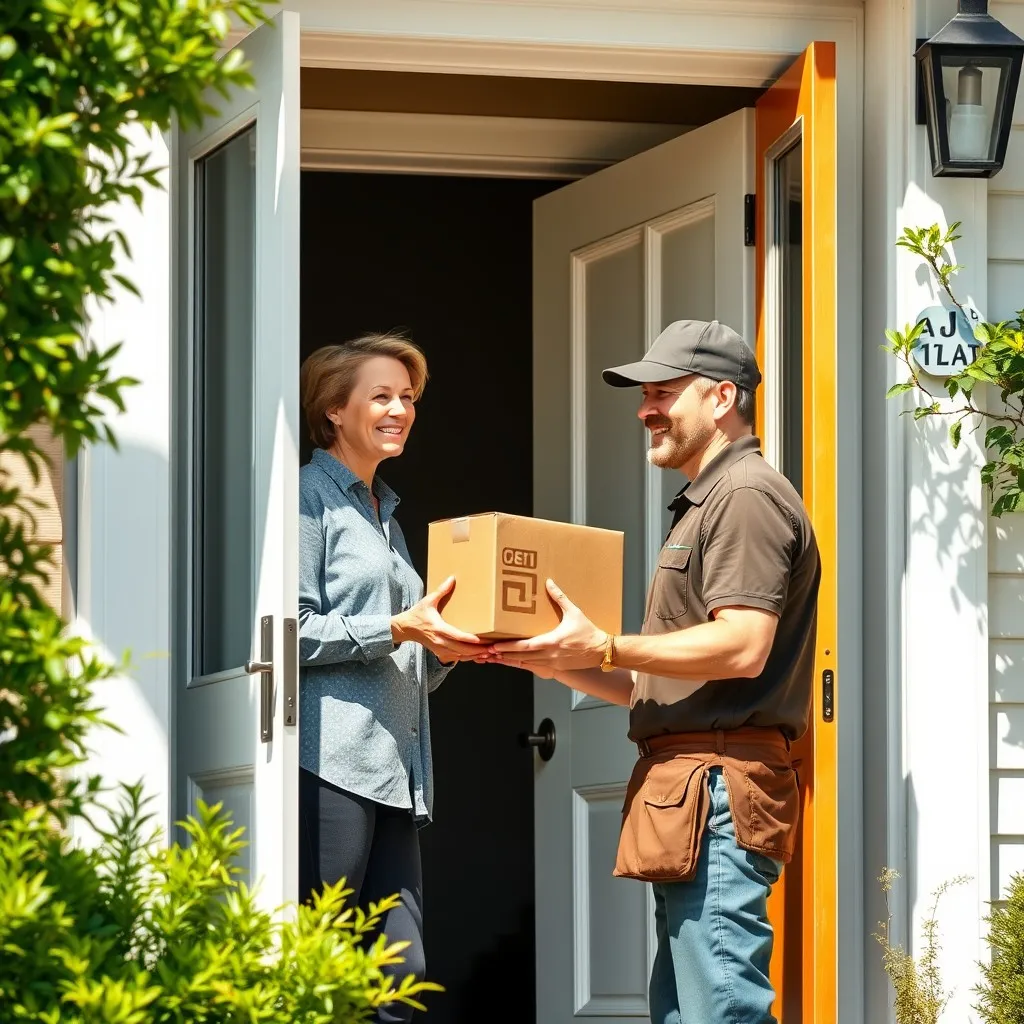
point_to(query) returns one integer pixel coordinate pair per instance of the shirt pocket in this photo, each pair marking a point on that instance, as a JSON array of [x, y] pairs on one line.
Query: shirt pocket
[[672, 583]]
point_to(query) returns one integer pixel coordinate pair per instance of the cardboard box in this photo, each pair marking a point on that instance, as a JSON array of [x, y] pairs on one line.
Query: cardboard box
[[501, 563]]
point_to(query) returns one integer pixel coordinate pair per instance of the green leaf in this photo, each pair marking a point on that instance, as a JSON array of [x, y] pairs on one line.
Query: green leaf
[[900, 389], [954, 434], [220, 22]]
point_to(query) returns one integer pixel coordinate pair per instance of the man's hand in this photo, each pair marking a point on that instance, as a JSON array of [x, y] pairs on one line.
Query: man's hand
[[574, 643], [423, 624]]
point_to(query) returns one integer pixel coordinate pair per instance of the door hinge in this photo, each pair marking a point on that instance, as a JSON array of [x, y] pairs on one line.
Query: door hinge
[[749, 219]]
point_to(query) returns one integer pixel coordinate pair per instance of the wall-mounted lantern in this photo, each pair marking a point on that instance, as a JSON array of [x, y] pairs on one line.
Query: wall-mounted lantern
[[968, 75]]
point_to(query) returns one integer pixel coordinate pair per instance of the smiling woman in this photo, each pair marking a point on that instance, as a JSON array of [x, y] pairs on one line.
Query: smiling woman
[[370, 645]]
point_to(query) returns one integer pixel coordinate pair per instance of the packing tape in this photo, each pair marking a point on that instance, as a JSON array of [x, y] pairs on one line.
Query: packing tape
[[460, 530]]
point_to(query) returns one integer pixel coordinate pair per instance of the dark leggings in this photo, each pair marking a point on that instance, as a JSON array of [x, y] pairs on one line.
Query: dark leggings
[[376, 849]]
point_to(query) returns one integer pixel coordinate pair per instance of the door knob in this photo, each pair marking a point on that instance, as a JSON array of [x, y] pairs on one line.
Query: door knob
[[543, 739]]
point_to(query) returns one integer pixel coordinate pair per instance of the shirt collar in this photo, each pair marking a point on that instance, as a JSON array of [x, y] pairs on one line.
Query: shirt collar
[[698, 489], [352, 485]]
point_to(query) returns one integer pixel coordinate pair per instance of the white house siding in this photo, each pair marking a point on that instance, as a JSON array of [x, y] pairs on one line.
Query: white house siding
[[926, 632], [1006, 696], [1006, 535]]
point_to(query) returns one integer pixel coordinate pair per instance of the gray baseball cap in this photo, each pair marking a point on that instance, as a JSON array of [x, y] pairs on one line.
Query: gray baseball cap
[[710, 350]]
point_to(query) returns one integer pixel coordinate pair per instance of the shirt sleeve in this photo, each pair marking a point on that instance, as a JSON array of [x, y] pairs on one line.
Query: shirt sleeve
[[326, 637], [747, 552], [436, 671]]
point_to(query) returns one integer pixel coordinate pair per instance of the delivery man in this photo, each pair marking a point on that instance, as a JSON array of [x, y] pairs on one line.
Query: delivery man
[[718, 683]]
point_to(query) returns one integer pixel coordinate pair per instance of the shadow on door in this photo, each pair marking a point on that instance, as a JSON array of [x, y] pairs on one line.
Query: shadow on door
[[448, 260]]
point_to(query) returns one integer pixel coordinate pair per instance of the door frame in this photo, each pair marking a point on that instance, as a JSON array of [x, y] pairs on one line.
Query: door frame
[[742, 43]]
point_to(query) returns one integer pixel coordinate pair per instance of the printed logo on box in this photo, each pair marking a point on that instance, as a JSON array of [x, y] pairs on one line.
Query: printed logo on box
[[518, 584]]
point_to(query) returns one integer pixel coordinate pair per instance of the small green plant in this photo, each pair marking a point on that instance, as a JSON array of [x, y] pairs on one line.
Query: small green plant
[[132, 932], [999, 363], [920, 996], [1001, 992]]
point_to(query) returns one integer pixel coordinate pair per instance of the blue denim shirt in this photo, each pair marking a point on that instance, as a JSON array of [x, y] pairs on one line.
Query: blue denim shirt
[[363, 722]]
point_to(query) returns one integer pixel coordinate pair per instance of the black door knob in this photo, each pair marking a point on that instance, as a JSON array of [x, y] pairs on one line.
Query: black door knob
[[543, 739]]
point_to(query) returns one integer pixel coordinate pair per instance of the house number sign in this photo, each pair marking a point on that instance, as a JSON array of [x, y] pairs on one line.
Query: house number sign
[[947, 345]]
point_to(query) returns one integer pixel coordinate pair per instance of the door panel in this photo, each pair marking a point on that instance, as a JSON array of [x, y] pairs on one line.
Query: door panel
[[236, 459], [796, 344], [617, 256]]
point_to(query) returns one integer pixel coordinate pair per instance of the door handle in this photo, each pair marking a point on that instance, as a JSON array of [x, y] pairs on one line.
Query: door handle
[[543, 739], [265, 667]]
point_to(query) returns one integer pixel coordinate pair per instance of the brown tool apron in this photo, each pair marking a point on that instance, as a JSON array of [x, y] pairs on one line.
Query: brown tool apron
[[666, 806]]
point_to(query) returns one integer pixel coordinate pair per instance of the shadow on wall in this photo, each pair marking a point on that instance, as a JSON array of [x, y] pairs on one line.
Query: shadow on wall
[[943, 508], [123, 597]]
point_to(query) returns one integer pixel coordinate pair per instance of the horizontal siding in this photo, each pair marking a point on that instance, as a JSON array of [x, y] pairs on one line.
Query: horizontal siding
[[1007, 747], [1007, 861], [1006, 606], [1006, 201], [1005, 218], [1005, 289], [1012, 16], [1006, 671], [1008, 804], [1006, 698], [1006, 535]]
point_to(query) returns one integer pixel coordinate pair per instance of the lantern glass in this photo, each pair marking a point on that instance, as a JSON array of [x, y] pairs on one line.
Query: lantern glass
[[973, 90]]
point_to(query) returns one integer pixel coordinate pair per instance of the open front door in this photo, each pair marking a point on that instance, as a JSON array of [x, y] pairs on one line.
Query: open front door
[[617, 257], [237, 460], [796, 347]]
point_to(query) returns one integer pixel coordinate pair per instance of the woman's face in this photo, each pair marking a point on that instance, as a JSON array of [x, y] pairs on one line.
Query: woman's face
[[375, 423]]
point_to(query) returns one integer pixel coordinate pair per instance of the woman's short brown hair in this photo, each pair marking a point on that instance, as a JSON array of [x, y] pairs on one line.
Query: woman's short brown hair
[[329, 374]]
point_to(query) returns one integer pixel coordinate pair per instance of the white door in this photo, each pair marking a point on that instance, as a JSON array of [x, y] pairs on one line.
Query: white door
[[617, 257], [237, 460]]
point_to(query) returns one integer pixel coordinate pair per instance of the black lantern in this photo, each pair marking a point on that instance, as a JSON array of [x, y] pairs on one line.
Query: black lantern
[[968, 74]]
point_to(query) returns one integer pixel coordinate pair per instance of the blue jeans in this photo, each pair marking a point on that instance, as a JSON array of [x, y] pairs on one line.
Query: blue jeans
[[714, 939]]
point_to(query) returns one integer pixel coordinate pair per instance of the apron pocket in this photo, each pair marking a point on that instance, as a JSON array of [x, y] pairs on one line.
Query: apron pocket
[[663, 820]]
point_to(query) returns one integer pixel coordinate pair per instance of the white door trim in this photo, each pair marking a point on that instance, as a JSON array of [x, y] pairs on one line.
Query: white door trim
[[709, 42], [508, 147], [621, 63]]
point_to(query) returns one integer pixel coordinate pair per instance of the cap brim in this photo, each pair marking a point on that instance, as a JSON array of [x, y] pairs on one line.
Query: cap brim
[[642, 372]]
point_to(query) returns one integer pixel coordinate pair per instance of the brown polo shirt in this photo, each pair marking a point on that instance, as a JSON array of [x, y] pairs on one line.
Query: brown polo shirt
[[741, 538]]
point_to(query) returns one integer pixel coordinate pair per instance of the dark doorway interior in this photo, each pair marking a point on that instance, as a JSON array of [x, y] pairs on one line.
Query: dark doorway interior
[[448, 260]]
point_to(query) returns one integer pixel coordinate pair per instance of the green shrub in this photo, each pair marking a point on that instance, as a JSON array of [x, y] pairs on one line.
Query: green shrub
[[1002, 988], [130, 932]]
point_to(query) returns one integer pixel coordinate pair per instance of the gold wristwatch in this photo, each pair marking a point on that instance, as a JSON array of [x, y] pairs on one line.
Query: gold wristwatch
[[608, 661]]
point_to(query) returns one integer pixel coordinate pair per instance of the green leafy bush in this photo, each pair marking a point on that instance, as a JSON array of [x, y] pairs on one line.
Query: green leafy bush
[[127, 930], [131, 932], [1001, 991], [74, 76]]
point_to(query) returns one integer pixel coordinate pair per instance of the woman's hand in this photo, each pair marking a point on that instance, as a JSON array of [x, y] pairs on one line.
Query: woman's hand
[[423, 624]]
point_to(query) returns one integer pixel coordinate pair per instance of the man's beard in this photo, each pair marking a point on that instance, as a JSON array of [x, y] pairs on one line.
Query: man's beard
[[674, 448]]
